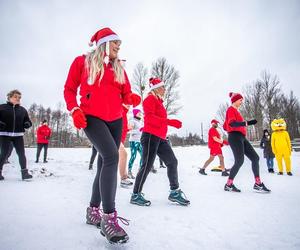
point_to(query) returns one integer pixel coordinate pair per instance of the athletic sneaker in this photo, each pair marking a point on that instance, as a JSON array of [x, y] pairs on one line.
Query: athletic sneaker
[[225, 173], [93, 216], [126, 183], [25, 174], [111, 229], [202, 171], [179, 197], [130, 175], [1, 176], [271, 170], [261, 188], [280, 173], [289, 173], [231, 188], [138, 199]]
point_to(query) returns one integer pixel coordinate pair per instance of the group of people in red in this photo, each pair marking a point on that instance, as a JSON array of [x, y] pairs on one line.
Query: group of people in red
[[104, 89], [235, 125]]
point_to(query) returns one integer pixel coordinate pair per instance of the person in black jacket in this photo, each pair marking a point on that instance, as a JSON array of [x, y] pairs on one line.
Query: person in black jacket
[[265, 144], [14, 120]]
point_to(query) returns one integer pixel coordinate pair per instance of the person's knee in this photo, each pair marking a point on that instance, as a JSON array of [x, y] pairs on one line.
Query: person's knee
[[111, 158], [239, 161]]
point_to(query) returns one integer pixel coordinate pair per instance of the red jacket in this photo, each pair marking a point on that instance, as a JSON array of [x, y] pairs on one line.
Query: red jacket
[[103, 100], [155, 117], [43, 134], [233, 115], [213, 132], [125, 125]]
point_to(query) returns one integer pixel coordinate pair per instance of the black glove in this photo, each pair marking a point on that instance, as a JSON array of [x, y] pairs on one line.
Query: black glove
[[252, 122], [2, 125], [27, 124]]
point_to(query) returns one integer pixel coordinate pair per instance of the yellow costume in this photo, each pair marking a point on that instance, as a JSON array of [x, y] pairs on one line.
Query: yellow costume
[[281, 144]]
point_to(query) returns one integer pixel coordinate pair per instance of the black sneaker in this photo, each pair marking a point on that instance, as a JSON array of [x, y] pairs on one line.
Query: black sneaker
[[36, 161], [25, 174], [225, 173], [45, 161], [231, 188], [280, 173], [289, 173], [271, 170], [261, 188], [1, 176], [202, 171]]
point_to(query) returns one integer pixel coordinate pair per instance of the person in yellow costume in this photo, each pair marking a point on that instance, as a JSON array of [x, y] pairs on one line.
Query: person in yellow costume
[[281, 145]]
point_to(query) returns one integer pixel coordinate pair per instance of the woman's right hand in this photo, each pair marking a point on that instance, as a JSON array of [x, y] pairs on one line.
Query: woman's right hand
[[79, 119]]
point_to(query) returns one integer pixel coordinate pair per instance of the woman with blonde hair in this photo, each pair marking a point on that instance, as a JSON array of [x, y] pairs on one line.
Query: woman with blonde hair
[[104, 86], [154, 143]]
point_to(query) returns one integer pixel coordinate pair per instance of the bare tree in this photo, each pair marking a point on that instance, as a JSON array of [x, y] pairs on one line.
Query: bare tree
[[271, 96], [221, 112], [167, 73], [140, 80]]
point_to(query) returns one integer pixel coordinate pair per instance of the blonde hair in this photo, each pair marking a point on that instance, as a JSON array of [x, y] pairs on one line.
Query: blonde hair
[[94, 65]]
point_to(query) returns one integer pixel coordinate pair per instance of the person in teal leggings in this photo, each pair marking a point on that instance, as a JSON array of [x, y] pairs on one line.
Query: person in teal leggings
[[135, 139]]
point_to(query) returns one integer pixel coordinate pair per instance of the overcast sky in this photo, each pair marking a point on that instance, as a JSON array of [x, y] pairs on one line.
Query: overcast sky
[[217, 46]]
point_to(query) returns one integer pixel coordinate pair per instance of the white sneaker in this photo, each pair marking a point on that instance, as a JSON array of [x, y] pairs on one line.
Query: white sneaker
[[126, 183]]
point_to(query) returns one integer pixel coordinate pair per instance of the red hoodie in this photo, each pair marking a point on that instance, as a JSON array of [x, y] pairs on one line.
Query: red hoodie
[[155, 117], [233, 115], [125, 125], [43, 134], [213, 132], [103, 100]]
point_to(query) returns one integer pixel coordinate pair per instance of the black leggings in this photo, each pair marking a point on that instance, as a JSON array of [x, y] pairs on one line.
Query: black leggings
[[152, 146], [18, 143], [93, 156], [241, 146], [39, 149], [106, 138]]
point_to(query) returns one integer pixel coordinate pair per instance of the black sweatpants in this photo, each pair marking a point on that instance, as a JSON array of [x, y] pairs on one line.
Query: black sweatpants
[[106, 138], [40, 146], [152, 146], [18, 143], [93, 156], [241, 146]]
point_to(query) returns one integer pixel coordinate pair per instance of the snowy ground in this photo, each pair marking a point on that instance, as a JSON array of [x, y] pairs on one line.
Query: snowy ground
[[49, 212]]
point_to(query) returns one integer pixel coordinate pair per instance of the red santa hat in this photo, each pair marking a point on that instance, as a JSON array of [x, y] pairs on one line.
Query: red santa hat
[[104, 36], [214, 121], [235, 96], [155, 83]]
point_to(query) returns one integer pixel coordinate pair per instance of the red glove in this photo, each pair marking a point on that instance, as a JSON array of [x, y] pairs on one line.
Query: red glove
[[225, 142], [134, 99], [79, 119], [174, 123]]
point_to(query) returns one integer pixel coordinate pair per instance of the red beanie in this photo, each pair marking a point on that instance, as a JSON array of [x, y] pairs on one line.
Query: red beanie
[[214, 121], [155, 83], [235, 96]]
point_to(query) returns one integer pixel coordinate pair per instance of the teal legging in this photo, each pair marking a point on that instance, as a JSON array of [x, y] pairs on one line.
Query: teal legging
[[134, 147]]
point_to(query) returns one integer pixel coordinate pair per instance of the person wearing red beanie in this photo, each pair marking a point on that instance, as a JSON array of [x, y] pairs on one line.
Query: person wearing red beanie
[[215, 144], [43, 135], [104, 87], [235, 125], [154, 143]]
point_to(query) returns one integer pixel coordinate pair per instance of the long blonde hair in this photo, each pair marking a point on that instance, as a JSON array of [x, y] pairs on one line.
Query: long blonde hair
[[94, 65]]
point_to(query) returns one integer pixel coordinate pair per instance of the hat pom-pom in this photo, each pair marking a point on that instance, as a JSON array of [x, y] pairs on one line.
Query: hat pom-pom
[[230, 94]]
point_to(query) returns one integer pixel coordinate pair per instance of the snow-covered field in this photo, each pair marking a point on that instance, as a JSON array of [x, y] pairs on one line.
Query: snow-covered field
[[49, 212]]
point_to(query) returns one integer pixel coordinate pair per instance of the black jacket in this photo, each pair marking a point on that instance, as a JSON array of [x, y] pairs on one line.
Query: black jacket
[[266, 145], [13, 118]]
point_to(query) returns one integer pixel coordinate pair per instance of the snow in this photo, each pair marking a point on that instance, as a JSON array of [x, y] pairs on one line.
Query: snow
[[49, 212]]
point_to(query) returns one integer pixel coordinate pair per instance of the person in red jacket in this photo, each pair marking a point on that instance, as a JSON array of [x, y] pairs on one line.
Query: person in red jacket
[[235, 125], [125, 182], [154, 143], [103, 87], [215, 144], [43, 135]]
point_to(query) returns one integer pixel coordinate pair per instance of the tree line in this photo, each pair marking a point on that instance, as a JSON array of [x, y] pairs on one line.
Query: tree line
[[264, 100]]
